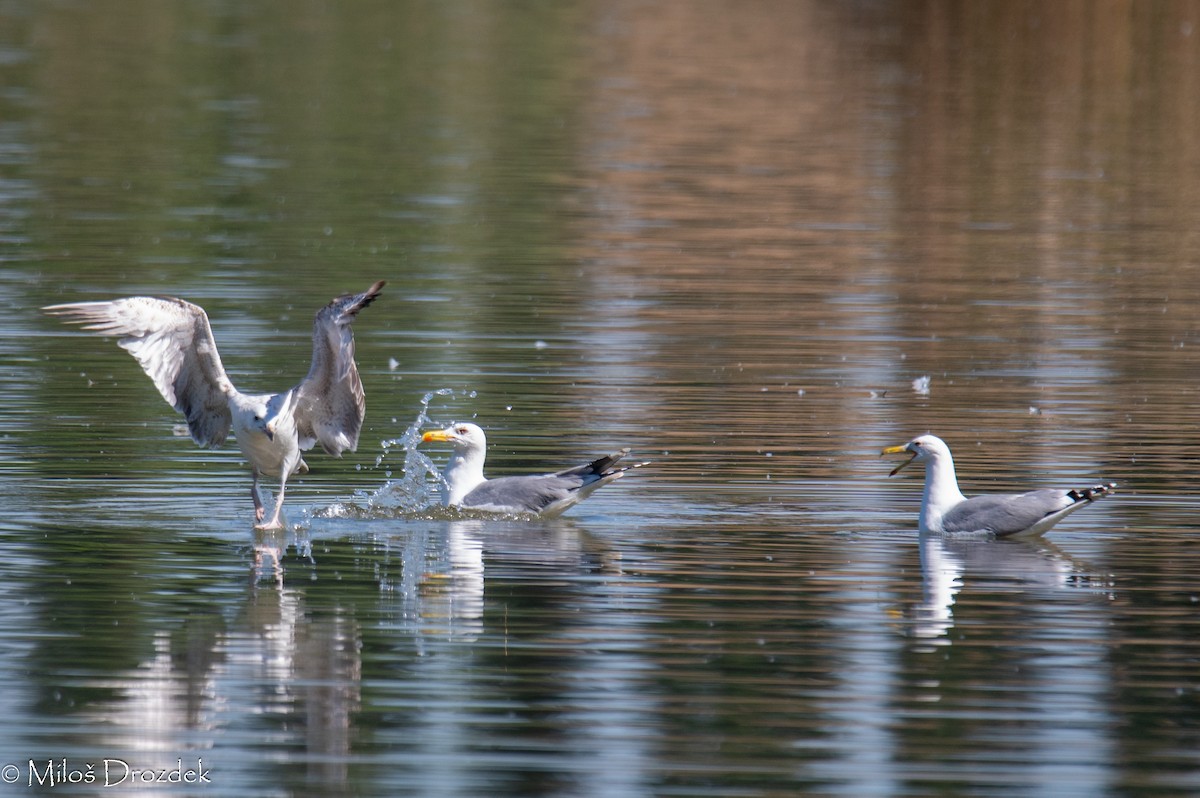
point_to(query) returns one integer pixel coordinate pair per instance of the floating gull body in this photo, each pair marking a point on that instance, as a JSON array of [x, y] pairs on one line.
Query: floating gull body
[[945, 510], [547, 495], [173, 342]]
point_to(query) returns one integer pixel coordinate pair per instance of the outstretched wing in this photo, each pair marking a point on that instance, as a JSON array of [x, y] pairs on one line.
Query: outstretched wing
[[173, 342], [330, 402]]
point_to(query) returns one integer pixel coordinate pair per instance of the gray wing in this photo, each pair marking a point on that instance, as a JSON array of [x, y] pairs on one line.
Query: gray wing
[[530, 494], [535, 494], [173, 342], [330, 403], [1005, 514]]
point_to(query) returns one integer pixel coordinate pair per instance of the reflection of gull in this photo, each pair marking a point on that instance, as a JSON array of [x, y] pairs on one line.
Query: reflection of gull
[[447, 566], [945, 510], [548, 495], [173, 342], [946, 562], [941, 579], [1029, 563], [176, 702], [460, 593]]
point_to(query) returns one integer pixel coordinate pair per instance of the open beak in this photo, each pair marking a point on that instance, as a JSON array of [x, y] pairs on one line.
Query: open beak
[[903, 448], [436, 435]]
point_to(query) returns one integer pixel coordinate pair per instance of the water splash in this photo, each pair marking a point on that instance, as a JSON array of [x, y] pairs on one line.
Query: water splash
[[416, 489]]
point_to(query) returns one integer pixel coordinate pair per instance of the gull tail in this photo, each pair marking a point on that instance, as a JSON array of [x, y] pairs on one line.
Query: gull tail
[[1092, 493], [611, 473], [616, 472], [591, 476], [603, 468]]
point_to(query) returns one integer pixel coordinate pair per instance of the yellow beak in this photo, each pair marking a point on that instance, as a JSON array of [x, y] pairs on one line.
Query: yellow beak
[[435, 435], [901, 449]]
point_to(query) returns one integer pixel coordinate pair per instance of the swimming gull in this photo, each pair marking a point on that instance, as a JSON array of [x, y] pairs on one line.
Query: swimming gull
[[173, 342], [547, 495], [945, 510]]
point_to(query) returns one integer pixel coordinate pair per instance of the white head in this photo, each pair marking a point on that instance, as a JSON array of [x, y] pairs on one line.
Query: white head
[[923, 448], [464, 471], [941, 485], [255, 414], [465, 437]]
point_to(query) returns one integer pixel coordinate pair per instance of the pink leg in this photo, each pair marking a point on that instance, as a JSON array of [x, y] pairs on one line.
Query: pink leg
[[274, 523], [259, 510]]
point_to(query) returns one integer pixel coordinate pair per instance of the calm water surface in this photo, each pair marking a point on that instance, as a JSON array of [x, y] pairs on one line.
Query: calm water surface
[[727, 235]]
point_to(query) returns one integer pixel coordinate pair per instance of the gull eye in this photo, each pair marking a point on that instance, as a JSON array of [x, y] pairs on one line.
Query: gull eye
[[461, 430]]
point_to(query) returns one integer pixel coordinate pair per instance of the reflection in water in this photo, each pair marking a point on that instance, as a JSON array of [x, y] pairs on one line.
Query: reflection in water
[[269, 548], [443, 583], [950, 564], [300, 669], [512, 644], [941, 579], [201, 677], [446, 567]]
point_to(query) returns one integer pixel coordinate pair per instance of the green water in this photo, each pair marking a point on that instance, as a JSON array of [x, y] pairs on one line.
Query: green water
[[727, 235]]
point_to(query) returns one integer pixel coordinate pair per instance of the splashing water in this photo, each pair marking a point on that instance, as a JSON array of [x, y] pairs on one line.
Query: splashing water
[[417, 488], [416, 491]]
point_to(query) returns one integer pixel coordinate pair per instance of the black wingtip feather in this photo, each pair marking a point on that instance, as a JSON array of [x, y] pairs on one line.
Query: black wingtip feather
[[1093, 493], [363, 299], [344, 309]]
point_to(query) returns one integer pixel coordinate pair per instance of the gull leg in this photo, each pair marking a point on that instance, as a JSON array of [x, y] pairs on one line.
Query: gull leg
[[259, 510], [274, 523]]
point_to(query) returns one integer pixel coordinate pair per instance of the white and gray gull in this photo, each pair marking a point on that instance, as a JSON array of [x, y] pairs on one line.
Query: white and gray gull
[[173, 342], [546, 495], [945, 510]]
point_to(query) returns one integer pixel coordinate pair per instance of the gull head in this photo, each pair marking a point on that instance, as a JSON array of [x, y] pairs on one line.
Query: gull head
[[463, 437], [259, 414], [253, 414], [922, 449]]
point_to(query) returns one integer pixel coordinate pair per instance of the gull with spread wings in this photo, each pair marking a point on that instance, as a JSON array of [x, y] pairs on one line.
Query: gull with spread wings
[[173, 342]]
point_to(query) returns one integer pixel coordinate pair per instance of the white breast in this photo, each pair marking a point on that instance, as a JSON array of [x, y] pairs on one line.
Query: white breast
[[270, 456]]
